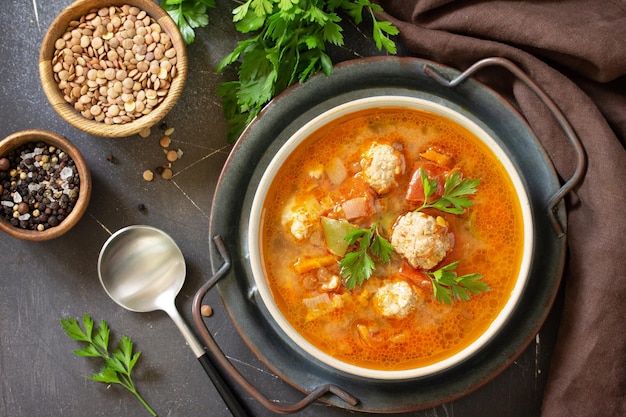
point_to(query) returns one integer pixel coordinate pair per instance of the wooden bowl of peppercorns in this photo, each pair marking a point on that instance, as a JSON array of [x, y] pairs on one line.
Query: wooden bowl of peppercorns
[[45, 185], [113, 68]]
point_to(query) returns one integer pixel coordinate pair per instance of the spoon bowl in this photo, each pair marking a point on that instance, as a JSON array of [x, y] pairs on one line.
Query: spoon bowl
[[142, 269]]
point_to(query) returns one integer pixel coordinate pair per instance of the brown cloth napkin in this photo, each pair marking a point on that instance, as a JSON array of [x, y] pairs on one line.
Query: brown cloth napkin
[[575, 50]]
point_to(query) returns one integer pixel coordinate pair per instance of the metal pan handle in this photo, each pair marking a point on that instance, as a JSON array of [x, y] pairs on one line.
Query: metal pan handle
[[581, 157], [219, 357]]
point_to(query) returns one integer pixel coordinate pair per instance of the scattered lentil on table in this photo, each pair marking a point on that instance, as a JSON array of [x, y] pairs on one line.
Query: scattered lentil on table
[[114, 64], [171, 155], [165, 141], [39, 186], [206, 310]]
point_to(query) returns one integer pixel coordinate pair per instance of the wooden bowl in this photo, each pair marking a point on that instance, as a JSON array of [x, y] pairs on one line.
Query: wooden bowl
[[17, 139], [67, 111]]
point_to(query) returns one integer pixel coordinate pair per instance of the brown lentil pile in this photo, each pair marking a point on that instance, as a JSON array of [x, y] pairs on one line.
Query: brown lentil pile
[[114, 64], [39, 186]]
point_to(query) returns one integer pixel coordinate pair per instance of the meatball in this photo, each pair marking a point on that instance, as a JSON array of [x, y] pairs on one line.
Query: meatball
[[421, 239], [381, 164], [395, 299]]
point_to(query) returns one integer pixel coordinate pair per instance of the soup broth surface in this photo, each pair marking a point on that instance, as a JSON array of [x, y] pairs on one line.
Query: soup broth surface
[[325, 179]]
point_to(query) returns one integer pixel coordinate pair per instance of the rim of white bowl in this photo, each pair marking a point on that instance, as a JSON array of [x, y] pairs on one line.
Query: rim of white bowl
[[302, 134]]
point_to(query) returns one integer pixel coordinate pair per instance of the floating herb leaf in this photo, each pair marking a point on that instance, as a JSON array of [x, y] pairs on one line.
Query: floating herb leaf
[[448, 287], [357, 266], [455, 193]]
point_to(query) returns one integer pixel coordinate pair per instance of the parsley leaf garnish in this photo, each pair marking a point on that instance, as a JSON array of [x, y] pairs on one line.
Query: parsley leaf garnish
[[357, 266], [455, 193], [448, 287], [188, 15], [118, 364]]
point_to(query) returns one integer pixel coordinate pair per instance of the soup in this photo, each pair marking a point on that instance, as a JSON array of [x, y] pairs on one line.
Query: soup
[[435, 198]]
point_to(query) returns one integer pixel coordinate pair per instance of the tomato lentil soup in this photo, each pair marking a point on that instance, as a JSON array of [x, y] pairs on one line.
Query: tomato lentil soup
[[325, 178]]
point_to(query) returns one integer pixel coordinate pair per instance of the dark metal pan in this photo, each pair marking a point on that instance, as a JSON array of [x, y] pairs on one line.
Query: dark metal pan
[[276, 123]]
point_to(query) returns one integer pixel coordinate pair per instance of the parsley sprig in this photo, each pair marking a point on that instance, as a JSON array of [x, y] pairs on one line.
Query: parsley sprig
[[188, 15], [287, 44], [118, 364], [455, 193], [449, 287], [357, 266]]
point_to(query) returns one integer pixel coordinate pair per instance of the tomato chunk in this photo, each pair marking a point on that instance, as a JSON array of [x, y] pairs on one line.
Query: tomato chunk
[[415, 191], [416, 276]]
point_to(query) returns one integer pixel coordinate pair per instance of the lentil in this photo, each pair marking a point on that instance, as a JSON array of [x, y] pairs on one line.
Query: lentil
[[167, 173], [206, 310], [171, 155], [148, 175], [107, 57], [39, 186], [144, 133], [165, 141]]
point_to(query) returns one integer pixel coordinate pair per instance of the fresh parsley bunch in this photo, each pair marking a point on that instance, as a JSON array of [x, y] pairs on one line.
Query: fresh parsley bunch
[[287, 44], [118, 363]]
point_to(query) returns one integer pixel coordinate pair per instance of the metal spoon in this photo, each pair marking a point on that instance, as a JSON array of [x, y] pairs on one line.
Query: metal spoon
[[142, 269]]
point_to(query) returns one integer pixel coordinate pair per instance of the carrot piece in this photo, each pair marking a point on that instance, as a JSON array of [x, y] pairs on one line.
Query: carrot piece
[[303, 265], [438, 158]]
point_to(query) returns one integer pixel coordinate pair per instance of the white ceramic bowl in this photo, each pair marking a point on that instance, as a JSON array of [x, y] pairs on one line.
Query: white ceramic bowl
[[293, 142]]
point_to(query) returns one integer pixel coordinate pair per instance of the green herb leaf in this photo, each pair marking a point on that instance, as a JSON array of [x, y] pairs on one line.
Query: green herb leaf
[[430, 186], [101, 339], [73, 330], [107, 376], [358, 266], [89, 351], [381, 247], [455, 193], [117, 364], [188, 15], [448, 287]]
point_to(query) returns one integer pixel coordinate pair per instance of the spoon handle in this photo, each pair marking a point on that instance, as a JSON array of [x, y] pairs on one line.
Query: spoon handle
[[229, 397]]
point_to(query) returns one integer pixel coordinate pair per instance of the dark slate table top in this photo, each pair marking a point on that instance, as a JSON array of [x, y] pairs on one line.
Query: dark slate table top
[[40, 283]]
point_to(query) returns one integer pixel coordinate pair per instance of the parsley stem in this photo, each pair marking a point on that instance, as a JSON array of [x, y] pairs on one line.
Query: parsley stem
[[145, 404]]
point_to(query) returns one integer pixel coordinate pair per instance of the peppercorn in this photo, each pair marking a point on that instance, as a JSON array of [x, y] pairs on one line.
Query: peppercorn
[[23, 208]]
